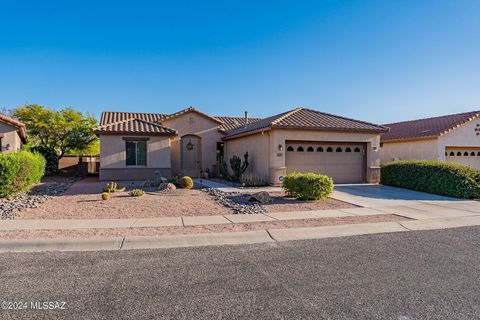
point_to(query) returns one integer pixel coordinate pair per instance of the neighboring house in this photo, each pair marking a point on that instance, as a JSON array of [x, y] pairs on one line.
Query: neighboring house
[[13, 134], [452, 138], [133, 146]]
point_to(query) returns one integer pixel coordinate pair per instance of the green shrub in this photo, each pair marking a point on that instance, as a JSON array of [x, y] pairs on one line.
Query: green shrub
[[442, 178], [186, 182], [50, 156], [308, 186], [19, 171], [105, 195], [136, 193]]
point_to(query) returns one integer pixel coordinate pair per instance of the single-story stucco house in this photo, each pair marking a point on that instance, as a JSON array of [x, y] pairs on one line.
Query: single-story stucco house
[[13, 134], [453, 138], [133, 146]]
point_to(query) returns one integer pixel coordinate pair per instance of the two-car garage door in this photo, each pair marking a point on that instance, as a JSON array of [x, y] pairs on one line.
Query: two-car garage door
[[345, 163]]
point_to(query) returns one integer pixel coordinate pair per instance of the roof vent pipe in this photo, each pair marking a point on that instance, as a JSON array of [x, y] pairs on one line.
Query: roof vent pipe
[[246, 118]]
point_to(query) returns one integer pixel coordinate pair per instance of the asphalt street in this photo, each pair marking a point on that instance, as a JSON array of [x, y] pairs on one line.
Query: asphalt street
[[410, 275]]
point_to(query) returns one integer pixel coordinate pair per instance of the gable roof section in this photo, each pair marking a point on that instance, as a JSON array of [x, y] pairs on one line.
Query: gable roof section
[[230, 123], [427, 128], [135, 126], [225, 123], [187, 110], [307, 119], [21, 128]]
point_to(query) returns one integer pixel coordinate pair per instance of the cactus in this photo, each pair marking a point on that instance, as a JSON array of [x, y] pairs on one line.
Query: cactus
[[136, 193], [110, 187], [238, 167], [186, 182], [105, 195]]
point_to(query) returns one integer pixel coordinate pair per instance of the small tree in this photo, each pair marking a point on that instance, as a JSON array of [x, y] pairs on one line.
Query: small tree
[[238, 167], [62, 130]]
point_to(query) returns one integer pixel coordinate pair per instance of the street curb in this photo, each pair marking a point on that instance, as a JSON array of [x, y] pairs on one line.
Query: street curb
[[335, 231], [197, 240], [32, 245], [233, 238]]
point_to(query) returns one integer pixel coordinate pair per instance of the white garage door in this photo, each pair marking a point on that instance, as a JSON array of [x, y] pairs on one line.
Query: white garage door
[[464, 156], [343, 162]]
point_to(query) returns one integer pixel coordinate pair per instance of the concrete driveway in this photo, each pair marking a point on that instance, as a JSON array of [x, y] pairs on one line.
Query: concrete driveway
[[374, 195]]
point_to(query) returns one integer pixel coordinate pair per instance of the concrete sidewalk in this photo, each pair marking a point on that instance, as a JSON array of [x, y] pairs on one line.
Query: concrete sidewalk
[[232, 238], [418, 210]]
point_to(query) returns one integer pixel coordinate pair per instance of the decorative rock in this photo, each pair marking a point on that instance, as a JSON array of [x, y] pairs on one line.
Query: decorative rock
[[163, 179], [262, 197], [38, 195], [238, 202], [166, 186]]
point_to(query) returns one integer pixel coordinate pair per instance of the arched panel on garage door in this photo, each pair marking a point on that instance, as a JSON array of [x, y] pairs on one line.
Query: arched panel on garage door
[[344, 162], [467, 156]]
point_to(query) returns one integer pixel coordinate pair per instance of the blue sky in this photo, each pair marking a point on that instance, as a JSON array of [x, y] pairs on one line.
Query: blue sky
[[380, 61]]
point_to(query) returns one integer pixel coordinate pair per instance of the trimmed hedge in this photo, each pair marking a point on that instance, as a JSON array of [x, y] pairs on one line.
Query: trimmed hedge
[[442, 178], [307, 186], [19, 171]]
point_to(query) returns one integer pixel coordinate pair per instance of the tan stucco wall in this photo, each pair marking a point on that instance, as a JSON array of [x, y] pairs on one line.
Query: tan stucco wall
[[409, 150], [10, 136], [192, 123], [112, 156], [257, 148], [463, 136], [276, 158]]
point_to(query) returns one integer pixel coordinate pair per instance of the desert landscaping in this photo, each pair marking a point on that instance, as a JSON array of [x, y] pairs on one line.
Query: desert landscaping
[[80, 199]]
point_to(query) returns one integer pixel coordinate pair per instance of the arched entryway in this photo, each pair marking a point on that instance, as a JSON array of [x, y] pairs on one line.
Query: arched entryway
[[190, 154]]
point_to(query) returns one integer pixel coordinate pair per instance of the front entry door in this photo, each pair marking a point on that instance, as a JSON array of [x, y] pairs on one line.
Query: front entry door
[[190, 155]]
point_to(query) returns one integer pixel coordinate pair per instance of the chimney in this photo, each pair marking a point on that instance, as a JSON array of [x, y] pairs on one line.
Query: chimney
[[246, 119]]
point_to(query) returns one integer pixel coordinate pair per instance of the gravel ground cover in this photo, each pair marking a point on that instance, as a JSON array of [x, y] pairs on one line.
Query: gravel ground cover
[[281, 203], [39, 194], [83, 201], [121, 232], [239, 202]]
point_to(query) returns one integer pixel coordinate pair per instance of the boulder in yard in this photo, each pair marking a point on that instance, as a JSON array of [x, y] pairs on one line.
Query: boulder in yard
[[262, 197], [166, 186]]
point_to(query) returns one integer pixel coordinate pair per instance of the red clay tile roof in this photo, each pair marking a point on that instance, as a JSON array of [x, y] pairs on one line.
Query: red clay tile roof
[[189, 109], [226, 123], [135, 126], [21, 128], [230, 123], [113, 116], [302, 118], [429, 127]]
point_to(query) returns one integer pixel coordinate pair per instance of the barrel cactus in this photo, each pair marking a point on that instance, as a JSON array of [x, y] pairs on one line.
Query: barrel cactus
[[186, 182]]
